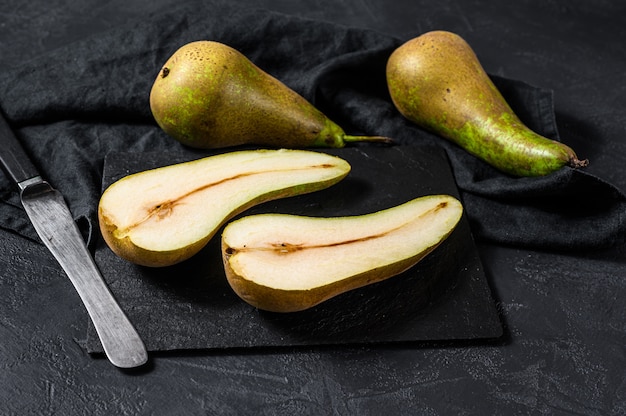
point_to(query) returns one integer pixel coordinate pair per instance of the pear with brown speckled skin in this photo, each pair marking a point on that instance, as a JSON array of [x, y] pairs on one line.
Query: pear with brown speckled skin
[[436, 81], [209, 95]]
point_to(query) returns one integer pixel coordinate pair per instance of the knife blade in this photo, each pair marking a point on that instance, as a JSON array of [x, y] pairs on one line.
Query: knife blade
[[53, 222]]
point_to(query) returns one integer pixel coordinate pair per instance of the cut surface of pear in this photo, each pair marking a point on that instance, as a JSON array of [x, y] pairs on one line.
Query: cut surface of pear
[[163, 216], [288, 263]]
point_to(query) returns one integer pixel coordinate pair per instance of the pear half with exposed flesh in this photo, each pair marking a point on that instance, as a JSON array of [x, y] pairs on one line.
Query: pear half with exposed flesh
[[287, 263], [163, 216]]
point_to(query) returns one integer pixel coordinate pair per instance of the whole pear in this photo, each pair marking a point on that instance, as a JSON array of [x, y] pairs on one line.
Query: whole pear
[[209, 95], [437, 81]]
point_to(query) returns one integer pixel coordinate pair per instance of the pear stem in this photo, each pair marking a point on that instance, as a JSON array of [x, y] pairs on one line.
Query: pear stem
[[576, 163], [375, 139]]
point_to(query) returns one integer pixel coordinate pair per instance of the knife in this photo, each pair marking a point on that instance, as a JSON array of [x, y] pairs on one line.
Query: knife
[[52, 220]]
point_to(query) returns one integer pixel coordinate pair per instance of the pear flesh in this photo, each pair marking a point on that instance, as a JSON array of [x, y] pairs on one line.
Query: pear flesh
[[287, 263], [437, 81], [163, 216], [209, 95]]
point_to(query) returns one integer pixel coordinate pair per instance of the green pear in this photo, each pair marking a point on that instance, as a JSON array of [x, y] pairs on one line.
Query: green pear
[[288, 263], [209, 95], [436, 81], [163, 216]]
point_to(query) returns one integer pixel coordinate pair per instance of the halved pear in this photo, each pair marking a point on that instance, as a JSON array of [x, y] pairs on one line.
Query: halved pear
[[163, 216], [287, 263]]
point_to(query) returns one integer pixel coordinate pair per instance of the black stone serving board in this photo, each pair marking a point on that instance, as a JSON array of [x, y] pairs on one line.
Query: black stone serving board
[[191, 306]]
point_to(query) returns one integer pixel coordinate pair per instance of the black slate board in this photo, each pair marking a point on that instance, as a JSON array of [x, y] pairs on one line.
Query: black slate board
[[190, 305]]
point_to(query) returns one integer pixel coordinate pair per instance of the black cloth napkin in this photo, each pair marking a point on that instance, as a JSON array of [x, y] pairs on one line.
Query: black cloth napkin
[[74, 105]]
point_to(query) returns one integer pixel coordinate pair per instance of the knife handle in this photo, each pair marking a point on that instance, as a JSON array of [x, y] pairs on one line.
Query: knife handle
[[14, 159]]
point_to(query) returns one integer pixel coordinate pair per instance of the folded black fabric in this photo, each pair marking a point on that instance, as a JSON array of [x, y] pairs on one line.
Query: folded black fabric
[[76, 104]]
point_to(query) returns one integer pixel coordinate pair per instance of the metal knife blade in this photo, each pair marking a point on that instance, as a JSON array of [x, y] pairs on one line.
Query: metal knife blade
[[57, 229]]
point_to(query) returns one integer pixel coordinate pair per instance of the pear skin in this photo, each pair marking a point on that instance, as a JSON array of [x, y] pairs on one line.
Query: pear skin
[[289, 263], [436, 81], [209, 95]]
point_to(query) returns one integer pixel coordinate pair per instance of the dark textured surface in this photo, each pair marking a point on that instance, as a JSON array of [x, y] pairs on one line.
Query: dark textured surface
[[191, 306], [564, 312]]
